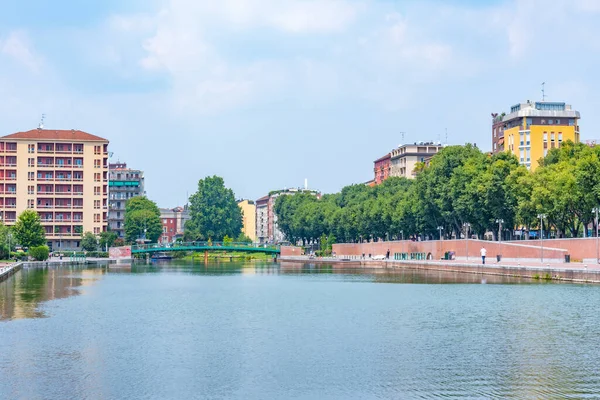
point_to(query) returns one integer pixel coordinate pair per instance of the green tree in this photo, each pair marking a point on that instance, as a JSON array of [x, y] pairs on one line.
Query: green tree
[[214, 213], [5, 241], [28, 229], [39, 253], [89, 242], [142, 219], [107, 239]]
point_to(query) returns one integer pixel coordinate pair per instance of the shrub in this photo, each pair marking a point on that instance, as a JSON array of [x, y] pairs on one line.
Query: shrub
[[39, 253]]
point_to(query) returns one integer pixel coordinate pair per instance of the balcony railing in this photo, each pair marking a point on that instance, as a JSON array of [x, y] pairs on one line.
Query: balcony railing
[[44, 193], [45, 165], [63, 206], [10, 206], [10, 165]]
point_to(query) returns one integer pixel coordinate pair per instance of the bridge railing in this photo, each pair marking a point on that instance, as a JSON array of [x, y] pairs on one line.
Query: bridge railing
[[195, 245]]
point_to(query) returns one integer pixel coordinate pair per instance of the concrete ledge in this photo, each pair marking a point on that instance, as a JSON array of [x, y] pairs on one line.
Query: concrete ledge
[[558, 272]]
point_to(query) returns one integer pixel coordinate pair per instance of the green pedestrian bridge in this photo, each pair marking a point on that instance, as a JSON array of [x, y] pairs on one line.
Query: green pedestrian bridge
[[204, 247]]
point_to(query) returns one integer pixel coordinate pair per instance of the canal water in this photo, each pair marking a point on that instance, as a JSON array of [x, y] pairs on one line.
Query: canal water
[[295, 331]]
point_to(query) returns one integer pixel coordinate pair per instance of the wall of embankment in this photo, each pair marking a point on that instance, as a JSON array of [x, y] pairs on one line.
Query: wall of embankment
[[552, 249], [542, 273]]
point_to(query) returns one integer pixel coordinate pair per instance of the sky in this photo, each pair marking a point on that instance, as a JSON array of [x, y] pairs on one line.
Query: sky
[[268, 93]]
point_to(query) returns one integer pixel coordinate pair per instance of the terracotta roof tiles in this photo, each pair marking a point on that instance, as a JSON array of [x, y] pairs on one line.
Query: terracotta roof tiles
[[55, 135]]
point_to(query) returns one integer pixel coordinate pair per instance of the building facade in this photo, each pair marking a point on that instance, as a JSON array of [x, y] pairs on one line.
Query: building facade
[[262, 219], [381, 169], [405, 158], [123, 184], [267, 229], [173, 223], [248, 218], [61, 174], [531, 129]]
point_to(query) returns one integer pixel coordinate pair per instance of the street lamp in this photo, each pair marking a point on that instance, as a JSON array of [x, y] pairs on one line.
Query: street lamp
[[499, 222], [595, 210], [541, 217], [467, 225], [440, 228]]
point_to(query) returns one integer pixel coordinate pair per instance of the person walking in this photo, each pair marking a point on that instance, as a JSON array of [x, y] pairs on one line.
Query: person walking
[[483, 253]]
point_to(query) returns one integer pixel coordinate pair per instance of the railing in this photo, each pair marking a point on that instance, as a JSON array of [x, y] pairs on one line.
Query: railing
[[205, 246]]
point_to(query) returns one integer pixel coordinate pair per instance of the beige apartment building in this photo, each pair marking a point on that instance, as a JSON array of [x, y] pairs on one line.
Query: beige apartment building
[[61, 174], [249, 218], [405, 157]]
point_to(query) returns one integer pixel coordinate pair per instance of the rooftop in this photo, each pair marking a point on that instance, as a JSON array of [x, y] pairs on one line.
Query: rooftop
[[540, 109], [55, 135]]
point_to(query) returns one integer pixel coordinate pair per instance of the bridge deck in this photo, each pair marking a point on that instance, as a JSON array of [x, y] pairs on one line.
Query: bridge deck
[[204, 246]]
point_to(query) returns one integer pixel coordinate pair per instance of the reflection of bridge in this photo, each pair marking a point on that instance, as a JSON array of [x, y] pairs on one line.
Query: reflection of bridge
[[203, 246]]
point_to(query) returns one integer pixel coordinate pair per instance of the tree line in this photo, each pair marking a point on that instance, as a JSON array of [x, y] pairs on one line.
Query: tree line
[[461, 190]]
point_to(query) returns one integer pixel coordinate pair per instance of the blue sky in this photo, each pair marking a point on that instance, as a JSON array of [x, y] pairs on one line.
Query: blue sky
[[268, 92]]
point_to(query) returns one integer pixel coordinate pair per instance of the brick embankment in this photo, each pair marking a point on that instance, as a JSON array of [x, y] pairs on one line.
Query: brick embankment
[[572, 272]]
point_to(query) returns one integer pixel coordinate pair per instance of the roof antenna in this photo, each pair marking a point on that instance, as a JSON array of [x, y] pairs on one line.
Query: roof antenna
[[543, 91], [41, 125], [402, 133], [446, 136]]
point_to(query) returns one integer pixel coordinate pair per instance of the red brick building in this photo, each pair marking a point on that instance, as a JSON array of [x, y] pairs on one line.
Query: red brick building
[[382, 168], [173, 222]]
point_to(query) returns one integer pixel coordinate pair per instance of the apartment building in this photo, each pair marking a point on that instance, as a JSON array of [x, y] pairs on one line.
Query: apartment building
[[123, 184], [381, 168], [173, 222], [262, 219], [531, 129], [267, 229], [248, 218], [63, 175], [405, 157]]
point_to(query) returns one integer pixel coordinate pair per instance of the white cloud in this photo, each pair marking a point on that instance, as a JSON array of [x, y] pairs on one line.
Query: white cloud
[[16, 46]]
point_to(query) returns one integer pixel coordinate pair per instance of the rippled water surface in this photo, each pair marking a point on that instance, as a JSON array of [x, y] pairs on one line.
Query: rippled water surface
[[234, 331]]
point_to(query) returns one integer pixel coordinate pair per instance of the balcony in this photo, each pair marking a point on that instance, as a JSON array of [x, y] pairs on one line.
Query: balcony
[[63, 193], [45, 151], [45, 165], [43, 179], [64, 166], [9, 220], [44, 193], [14, 165], [63, 206], [10, 206], [46, 220], [10, 178]]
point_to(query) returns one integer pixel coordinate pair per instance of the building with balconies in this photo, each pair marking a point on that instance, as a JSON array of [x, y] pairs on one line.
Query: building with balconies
[[124, 183], [531, 129], [406, 157], [63, 175]]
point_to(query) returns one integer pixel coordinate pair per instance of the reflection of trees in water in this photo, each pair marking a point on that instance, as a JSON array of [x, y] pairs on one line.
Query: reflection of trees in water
[[22, 294]]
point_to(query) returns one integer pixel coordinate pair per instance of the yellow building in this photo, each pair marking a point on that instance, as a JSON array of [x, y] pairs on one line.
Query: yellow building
[[63, 175], [249, 218], [532, 129]]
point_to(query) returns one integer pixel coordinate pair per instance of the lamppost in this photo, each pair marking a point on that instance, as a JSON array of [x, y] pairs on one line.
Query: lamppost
[[467, 225], [440, 228], [541, 217], [402, 235], [499, 222], [595, 210]]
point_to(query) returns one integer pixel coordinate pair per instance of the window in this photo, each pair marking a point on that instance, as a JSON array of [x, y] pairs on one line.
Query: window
[[31, 148], [96, 190], [552, 136], [97, 149], [528, 139], [560, 136], [30, 162], [545, 136], [96, 231], [96, 204], [571, 122], [96, 163], [30, 176], [557, 122], [550, 122], [495, 146], [96, 177], [96, 217], [30, 189]]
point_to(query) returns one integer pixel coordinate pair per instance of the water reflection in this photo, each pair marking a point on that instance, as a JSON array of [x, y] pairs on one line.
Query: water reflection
[[22, 294]]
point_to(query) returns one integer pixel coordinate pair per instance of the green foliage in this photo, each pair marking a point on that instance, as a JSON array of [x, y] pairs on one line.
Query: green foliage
[[39, 253], [461, 185], [243, 239], [6, 244], [214, 212], [227, 240], [142, 217], [89, 242], [107, 239], [28, 229]]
